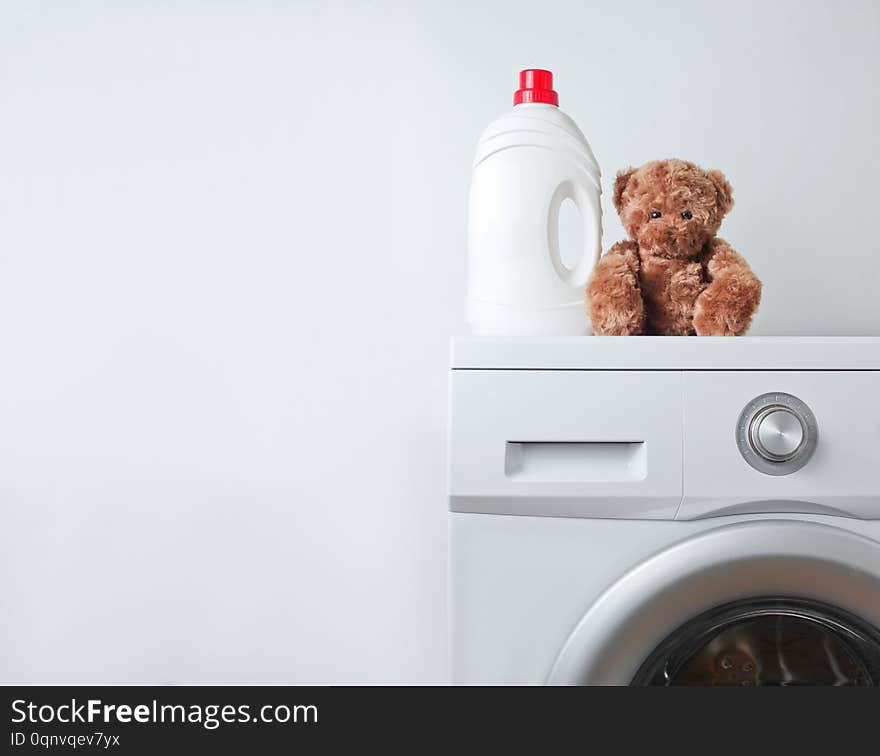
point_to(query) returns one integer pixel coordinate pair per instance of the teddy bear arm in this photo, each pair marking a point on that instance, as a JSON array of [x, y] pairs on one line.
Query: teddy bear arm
[[719, 257], [726, 306], [615, 304]]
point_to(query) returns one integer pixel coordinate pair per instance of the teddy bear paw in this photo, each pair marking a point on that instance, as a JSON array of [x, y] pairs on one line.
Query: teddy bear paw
[[726, 307]]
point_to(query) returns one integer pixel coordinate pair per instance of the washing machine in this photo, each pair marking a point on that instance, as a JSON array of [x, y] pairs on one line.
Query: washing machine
[[665, 511]]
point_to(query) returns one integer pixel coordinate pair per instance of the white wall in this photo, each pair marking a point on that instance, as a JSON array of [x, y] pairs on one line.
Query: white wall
[[231, 256]]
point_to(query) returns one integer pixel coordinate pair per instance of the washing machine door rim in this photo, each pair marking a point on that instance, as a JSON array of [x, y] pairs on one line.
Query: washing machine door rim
[[756, 560]]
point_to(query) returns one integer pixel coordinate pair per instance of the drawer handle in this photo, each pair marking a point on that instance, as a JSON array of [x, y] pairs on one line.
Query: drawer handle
[[576, 461]]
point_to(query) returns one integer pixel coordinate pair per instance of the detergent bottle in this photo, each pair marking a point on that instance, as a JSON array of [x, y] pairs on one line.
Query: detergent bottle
[[528, 162]]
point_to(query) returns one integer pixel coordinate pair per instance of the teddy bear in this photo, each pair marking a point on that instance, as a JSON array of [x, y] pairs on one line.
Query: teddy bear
[[673, 276]]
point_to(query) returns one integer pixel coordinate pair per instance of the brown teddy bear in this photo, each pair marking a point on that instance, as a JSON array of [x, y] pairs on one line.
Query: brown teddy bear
[[674, 277]]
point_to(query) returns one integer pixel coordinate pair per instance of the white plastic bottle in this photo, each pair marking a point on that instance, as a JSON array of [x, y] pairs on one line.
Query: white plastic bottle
[[528, 162]]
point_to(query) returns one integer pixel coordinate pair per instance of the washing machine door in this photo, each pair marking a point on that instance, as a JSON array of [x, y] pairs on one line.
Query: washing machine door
[[766, 602]]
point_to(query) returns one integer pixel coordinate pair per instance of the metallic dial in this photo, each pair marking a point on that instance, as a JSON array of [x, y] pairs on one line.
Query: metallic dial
[[777, 433]]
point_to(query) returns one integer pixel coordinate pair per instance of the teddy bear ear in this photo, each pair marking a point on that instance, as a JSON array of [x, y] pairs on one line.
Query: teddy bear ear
[[620, 183], [723, 189]]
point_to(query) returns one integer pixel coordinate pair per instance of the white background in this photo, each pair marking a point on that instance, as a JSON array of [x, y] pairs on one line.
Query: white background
[[232, 251]]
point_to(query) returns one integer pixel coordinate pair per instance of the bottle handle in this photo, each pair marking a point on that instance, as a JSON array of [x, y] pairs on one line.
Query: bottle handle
[[590, 209]]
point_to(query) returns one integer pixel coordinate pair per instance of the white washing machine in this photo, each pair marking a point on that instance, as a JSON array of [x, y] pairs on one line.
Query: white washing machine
[[662, 511]]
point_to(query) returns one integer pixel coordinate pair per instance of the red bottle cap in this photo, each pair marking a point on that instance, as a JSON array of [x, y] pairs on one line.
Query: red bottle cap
[[535, 85]]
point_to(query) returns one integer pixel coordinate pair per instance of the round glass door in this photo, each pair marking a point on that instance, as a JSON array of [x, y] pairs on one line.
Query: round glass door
[[767, 642]]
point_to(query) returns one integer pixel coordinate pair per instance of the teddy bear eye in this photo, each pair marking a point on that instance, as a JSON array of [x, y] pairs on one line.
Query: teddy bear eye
[[687, 215], [656, 214]]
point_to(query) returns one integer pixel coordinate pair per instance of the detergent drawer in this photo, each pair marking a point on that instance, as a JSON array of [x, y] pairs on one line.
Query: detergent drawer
[[568, 443], [839, 476]]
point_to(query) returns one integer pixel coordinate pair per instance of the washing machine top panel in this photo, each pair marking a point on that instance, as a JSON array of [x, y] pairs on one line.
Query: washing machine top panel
[[637, 428], [667, 353]]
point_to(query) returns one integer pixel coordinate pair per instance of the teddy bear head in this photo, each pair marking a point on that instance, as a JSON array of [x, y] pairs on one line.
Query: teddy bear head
[[672, 207]]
